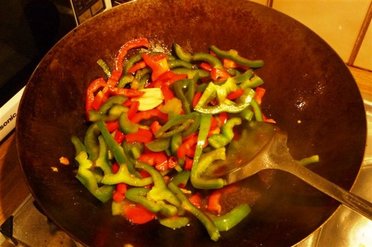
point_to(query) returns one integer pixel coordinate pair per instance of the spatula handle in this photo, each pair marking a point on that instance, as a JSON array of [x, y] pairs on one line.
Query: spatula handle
[[348, 199]]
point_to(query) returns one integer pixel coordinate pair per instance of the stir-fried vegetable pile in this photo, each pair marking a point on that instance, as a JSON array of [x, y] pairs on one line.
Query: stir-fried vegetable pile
[[157, 121]]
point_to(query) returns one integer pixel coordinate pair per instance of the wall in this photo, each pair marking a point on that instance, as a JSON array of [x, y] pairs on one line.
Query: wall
[[344, 24]]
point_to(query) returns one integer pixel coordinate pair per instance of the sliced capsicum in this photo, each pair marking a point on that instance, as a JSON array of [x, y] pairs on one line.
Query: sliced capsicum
[[226, 135], [237, 58], [214, 91], [87, 177]]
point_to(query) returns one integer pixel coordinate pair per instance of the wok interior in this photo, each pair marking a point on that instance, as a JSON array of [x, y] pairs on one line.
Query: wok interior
[[310, 93]]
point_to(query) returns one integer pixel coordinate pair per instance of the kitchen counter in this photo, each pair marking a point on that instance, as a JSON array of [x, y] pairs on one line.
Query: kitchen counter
[[13, 187]]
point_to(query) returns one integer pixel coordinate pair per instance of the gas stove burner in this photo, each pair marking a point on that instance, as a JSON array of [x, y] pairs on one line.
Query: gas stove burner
[[29, 227]]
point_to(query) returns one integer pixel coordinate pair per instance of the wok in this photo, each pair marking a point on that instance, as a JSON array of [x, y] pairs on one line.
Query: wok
[[310, 93]]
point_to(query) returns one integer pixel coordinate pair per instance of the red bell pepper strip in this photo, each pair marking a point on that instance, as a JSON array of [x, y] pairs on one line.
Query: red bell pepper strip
[[214, 204], [206, 66], [158, 64], [155, 126], [119, 192], [214, 199], [219, 74], [112, 126], [115, 167], [268, 120], [145, 115], [137, 66], [229, 64], [127, 92], [118, 197], [142, 135], [121, 187], [188, 164], [153, 158], [99, 99], [119, 136], [137, 214], [134, 43], [114, 78], [235, 94], [196, 200], [260, 92], [158, 159], [167, 93], [187, 147], [167, 79], [196, 98], [92, 89], [133, 109]]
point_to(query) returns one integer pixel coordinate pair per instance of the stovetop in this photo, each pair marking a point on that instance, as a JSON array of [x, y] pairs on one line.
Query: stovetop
[[28, 226]]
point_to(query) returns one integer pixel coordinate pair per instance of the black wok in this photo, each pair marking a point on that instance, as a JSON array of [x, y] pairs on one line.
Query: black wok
[[310, 93]]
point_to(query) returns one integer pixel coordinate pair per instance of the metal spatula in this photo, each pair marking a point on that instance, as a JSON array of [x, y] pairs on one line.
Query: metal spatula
[[265, 147]]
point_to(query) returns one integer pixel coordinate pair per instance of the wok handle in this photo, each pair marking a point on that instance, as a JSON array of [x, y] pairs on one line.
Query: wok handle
[[350, 200]]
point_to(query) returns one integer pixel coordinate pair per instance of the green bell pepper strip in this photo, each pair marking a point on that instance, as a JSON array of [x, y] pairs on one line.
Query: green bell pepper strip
[[104, 66], [197, 170], [159, 192], [133, 150], [102, 160], [110, 110], [200, 56], [115, 148], [226, 135], [212, 60], [141, 77], [175, 143], [131, 61], [237, 58], [178, 88], [174, 222], [226, 106], [209, 93], [201, 161], [112, 114], [176, 63], [124, 176], [124, 80], [227, 87], [202, 217], [181, 54], [127, 126], [115, 111], [91, 141], [247, 114], [184, 124], [219, 91], [158, 145], [195, 116], [118, 99], [126, 173], [78, 145], [191, 72], [253, 82], [139, 195], [257, 111], [205, 125], [181, 178], [94, 116], [117, 208], [309, 160], [232, 218], [246, 75], [86, 176]]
